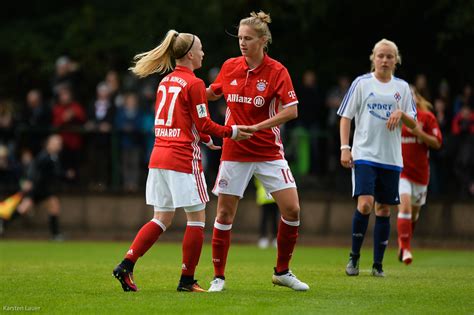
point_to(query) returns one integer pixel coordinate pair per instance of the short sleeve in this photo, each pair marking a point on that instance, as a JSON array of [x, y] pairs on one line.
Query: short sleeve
[[351, 100], [408, 102], [432, 128], [284, 89]]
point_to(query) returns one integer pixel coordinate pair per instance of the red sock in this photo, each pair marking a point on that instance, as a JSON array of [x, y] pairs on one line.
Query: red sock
[[286, 241], [146, 237], [404, 232], [192, 246], [220, 247]]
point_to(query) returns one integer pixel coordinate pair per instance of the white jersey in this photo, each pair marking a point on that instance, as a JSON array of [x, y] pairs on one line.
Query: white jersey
[[371, 102]]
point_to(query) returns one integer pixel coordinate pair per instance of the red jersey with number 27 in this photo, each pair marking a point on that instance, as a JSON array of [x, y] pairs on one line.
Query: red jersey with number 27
[[252, 96], [415, 152], [181, 115]]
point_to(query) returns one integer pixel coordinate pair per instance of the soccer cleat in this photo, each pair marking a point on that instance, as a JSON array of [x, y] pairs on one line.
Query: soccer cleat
[[352, 268], [289, 280], [190, 287], [407, 257], [125, 278], [217, 285], [377, 270]]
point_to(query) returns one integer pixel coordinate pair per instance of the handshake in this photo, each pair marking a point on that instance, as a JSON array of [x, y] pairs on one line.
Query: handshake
[[244, 132]]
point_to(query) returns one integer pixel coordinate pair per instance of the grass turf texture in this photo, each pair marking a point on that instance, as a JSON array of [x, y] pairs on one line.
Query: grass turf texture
[[76, 277]]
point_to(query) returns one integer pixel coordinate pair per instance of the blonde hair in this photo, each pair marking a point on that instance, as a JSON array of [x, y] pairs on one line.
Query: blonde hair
[[160, 59], [259, 22], [421, 102], [387, 42]]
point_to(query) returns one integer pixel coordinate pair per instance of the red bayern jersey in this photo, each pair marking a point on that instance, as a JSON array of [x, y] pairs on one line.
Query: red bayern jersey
[[181, 116], [253, 96], [415, 152]]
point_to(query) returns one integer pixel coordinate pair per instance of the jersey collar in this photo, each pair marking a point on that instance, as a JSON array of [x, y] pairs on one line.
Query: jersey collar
[[184, 69], [260, 66]]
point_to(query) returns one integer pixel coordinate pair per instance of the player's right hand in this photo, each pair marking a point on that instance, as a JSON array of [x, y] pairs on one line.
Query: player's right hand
[[244, 132], [346, 158]]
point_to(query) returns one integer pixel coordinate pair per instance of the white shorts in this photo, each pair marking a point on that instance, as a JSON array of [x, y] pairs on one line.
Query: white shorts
[[167, 190], [416, 191], [233, 177]]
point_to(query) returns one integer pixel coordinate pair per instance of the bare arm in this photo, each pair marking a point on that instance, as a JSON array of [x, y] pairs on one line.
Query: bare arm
[[211, 96], [344, 132], [430, 140], [395, 118], [282, 117]]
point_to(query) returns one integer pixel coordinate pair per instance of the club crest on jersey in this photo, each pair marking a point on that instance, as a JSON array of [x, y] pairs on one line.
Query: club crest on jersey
[[397, 97], [261, 85], [258, 101]]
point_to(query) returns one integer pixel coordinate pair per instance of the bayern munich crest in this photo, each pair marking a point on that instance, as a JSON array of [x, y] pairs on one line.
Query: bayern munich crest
[[223, 183], [261, 85]]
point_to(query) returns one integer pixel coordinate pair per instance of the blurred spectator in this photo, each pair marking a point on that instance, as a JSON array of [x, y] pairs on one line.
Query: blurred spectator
[[465, 99], [421, 85], [128, 122], [7, 124], [113, 82], [36, 119], [333, 101], [307, 132], [66, 73], [101, 116], [69, 117], [148, 122], [9, 173], [463, 132]]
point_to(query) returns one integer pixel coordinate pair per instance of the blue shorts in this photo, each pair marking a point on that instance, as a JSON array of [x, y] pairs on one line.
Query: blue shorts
[[376, 181]]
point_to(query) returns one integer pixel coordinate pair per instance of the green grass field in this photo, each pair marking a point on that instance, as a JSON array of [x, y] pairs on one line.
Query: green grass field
[[76, 277]]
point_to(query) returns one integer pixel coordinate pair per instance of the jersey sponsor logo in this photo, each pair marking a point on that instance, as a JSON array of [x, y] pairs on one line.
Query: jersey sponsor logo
[[259, 101], [170, 133], [223, 183], [407, 140], [236, 98], [380, 111], [292, 94], [234, 82], [262, 85], [201, 110]]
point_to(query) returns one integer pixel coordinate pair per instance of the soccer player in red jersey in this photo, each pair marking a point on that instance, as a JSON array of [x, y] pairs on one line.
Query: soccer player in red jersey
[[415, 175], [259, 92], [176, 178]]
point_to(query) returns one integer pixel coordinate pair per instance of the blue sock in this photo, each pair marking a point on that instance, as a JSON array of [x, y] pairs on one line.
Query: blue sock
[[359, 227], [381, 236]]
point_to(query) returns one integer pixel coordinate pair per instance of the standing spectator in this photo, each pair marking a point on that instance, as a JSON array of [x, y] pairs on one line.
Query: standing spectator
[[101, 116], [69, 116], [36, 118], [175, 178], [258, 90], [379, 102], [128, 122], [415, 175], [66, 73], [112, 79], [7, 124], [463, 138], [465, 99], [422, 86]]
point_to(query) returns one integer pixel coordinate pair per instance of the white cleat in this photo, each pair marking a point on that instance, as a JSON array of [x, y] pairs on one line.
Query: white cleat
[[407, 257], [217, 285], [289, 280]]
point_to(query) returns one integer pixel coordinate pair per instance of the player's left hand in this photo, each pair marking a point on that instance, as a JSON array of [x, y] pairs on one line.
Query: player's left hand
[[394, 120]]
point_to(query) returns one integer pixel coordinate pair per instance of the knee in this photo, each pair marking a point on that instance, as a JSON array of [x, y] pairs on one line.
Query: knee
[[291, 213], [364, 206], [383, 211], [225, 215]]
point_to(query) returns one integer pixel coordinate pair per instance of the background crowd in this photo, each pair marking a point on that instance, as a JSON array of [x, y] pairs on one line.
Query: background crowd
[[108, 133]]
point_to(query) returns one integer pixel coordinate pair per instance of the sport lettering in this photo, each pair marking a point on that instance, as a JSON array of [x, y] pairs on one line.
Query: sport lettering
[[236, 98], [170, 133], [380, 106]]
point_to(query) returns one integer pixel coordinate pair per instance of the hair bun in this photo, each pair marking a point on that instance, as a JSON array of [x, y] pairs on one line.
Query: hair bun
[[264, 17]]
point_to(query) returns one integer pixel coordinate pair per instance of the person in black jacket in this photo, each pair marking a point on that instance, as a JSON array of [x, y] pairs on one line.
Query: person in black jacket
[[41, 183]]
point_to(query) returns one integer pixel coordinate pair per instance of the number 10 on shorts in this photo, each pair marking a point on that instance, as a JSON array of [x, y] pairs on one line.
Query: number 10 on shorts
[[287, 176]]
